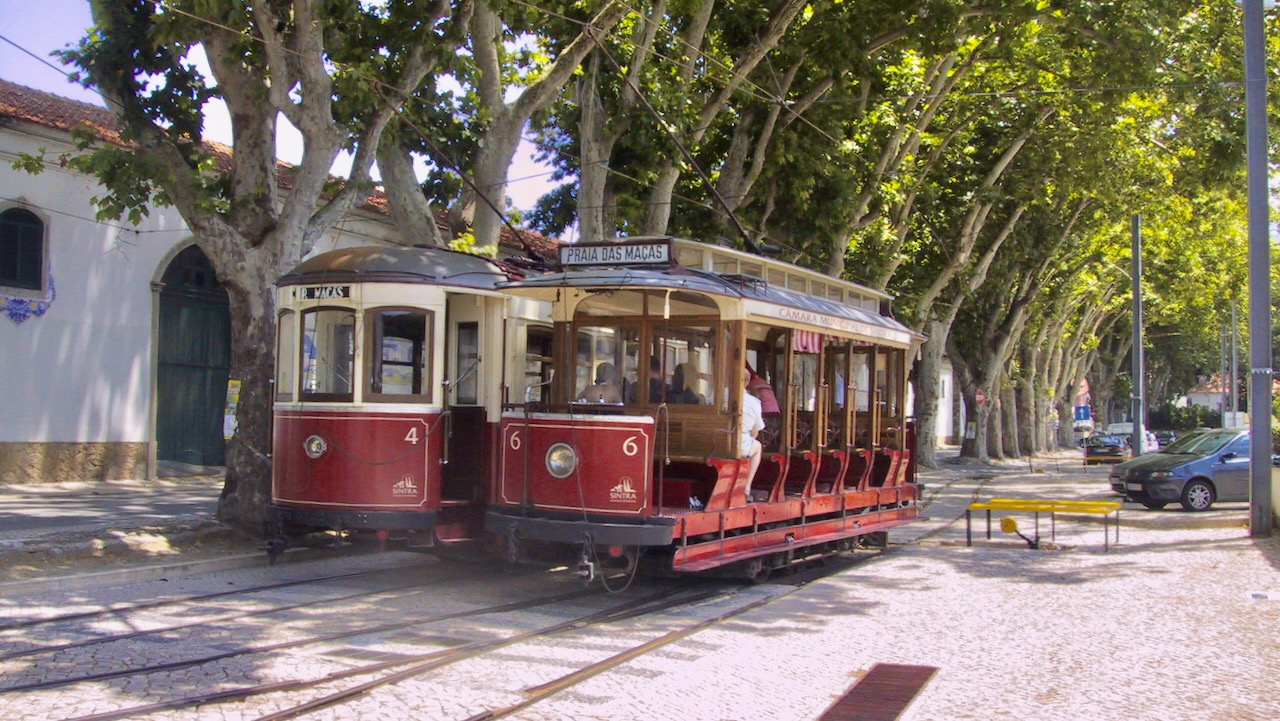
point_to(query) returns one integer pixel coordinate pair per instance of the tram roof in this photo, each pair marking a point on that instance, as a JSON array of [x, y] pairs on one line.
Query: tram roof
[[775, 304], [397, 264]]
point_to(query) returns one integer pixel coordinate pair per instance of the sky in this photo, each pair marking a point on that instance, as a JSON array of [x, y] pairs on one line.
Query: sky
[[38, 27]]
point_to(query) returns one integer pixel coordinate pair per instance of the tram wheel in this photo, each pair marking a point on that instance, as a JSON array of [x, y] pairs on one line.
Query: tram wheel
[[757, 572]]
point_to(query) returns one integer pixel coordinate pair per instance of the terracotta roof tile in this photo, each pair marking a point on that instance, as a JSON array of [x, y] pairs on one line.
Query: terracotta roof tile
[[53, 111], [36, 106]]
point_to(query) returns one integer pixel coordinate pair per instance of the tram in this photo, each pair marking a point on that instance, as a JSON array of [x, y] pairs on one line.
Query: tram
[[392, 367], [637, 452]]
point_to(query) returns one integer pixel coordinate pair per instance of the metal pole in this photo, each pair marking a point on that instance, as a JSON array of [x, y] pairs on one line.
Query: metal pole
[[1235, 364], [1224, 370], [1261, 513], [1139, 387]]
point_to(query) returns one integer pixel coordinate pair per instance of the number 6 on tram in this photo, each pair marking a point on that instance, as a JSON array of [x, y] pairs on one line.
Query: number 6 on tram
[[638, 451]]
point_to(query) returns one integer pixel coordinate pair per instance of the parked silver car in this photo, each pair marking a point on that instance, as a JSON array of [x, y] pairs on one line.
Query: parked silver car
[[1196, 470]]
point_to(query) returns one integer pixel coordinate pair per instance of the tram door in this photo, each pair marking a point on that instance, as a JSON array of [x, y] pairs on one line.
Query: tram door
[[465, 396]]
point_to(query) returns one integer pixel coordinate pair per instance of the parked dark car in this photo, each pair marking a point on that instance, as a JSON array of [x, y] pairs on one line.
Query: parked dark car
[[1196, 470], [1104, 448], [1164, 438]]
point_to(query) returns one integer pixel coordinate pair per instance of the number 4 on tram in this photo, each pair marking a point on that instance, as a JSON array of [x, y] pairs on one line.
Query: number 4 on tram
[[391, 367]]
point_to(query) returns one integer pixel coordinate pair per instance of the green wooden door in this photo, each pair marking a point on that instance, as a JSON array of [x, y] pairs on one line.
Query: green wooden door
[[193, 355]]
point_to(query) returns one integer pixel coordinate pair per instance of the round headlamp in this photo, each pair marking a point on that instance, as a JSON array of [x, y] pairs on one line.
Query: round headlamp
[[315, 446], [561, 460]]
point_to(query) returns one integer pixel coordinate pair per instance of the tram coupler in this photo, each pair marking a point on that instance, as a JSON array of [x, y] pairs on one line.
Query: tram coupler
[[274, 547], [586, 569]]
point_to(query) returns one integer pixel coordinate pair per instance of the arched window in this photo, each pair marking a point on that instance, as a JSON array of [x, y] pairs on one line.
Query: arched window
[[21, 250]]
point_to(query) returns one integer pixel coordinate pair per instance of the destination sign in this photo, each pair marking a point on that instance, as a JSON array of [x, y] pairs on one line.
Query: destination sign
[[326, 292], [616, 254]]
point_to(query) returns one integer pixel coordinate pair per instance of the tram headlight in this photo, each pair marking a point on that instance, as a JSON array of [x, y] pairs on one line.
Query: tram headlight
[[561, 460], [315, 446]]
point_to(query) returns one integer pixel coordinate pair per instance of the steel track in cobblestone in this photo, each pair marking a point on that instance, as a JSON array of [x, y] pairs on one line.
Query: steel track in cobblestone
[[100, 640], [535, 694], [286, 645], [118, 609], [418, 664]]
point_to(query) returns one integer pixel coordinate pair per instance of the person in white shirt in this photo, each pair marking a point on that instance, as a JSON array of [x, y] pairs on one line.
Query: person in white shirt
[[752, 423]]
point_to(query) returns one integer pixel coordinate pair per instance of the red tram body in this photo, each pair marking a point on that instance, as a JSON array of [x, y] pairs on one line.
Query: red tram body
[[630, 466], [389, 382]]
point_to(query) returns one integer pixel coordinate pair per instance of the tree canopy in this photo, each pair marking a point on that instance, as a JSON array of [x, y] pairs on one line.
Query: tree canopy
[[980, 159]]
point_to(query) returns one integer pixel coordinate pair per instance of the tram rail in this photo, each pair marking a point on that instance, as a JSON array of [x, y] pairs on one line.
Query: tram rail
[[118, 609]]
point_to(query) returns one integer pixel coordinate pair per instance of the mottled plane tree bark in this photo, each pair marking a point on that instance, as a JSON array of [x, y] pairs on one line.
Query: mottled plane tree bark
[[297, 60]]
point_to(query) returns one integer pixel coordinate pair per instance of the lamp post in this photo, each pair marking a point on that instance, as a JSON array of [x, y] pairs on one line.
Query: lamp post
[[1261, 514], [1139, 367]]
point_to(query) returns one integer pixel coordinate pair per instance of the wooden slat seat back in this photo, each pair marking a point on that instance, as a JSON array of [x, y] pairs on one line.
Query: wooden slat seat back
[[861, 462], [885, 469], [768, 483], [800, 474], [730, 479], [832, 472], [904, 467]]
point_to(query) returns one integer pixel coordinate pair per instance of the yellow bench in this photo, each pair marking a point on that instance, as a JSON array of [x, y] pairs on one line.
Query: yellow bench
[[1038, 506]]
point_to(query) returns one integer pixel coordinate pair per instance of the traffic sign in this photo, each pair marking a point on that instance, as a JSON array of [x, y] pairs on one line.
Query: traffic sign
[[980, 396]]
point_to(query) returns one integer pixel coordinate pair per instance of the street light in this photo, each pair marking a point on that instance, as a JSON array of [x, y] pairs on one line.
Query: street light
[[1261, 514]]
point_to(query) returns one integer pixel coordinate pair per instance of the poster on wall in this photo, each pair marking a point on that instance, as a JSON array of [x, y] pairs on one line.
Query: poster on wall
[[229, 414]]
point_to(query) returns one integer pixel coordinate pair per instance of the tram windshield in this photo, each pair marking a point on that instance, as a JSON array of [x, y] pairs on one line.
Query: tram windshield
[[286, 355], [328, 354], [645, 348]]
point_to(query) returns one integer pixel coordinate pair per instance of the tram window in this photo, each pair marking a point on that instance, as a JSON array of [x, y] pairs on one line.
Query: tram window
[[605, 364], [888, 381], [862, 382], [399, 354], [328, 344], [467, 365], [537, 364], [687, 354], [804, 379], [286, 354]]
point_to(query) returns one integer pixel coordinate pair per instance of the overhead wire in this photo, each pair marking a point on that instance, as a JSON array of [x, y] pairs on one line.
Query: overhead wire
[[378, 84], [29, 204], [749, 87]]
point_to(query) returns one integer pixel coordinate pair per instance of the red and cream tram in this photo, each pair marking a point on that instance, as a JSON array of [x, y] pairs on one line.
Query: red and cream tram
[[638, 449], [389, 382]]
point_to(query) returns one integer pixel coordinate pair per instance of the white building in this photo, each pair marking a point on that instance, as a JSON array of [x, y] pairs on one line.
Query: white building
[[113, 338]]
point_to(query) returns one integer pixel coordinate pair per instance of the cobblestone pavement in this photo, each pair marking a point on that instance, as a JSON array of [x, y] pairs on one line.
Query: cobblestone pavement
[[1176, 622]]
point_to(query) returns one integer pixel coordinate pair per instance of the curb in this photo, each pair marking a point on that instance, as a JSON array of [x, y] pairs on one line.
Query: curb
[[139, 550], [149, 572], [134, 549]]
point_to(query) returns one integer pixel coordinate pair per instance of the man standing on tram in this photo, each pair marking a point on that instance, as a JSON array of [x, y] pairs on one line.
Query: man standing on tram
[[752, 423]]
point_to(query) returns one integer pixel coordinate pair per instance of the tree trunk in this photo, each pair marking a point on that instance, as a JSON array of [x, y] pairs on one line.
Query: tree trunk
[[410, 211], [597, 148], [253, 340], [979, 416], [928, 392], [248, 268], [1013, 430], [1065, 431], [490, 177], [1028, 416]]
